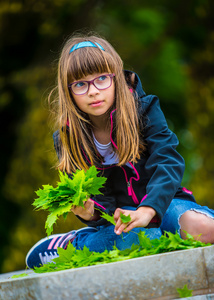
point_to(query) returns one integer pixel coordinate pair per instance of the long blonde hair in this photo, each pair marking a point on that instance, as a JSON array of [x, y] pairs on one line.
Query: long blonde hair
[[78, 64]]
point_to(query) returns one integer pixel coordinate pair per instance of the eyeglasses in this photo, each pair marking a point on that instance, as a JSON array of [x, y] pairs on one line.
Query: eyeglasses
[[101, 82]]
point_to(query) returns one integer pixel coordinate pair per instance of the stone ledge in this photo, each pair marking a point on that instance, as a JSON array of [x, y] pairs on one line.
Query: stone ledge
[[151, 277]]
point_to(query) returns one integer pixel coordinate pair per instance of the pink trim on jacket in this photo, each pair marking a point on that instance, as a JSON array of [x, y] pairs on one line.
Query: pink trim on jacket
[[144, 198], [98, 204], [186, 191]]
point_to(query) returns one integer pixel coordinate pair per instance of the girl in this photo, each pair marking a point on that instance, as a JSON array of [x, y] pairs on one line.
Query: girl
[[106, 119]]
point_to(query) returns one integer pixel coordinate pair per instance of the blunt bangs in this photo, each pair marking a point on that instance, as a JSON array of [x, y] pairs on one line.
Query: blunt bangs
[[87, 61]]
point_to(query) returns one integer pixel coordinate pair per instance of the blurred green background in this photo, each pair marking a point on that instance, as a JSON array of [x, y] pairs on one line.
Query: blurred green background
[[170, 44]]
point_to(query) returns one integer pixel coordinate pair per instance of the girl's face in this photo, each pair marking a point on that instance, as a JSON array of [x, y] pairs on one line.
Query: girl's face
[[95, 102]]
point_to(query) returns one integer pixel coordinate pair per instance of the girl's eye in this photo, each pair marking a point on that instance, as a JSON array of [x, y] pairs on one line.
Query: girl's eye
[[102, 78], [79, 84]]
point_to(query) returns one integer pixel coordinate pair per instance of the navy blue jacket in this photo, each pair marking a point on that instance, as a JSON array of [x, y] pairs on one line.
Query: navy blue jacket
[[156, 178]]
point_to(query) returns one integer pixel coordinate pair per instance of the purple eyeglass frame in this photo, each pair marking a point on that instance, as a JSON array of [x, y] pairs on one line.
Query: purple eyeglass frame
[[91, 82]]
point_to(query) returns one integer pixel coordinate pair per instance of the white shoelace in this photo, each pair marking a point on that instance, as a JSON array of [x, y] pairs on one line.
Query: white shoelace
[[47, 257]]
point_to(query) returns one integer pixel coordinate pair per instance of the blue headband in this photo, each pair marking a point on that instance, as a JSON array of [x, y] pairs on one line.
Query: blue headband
[[86, 44]]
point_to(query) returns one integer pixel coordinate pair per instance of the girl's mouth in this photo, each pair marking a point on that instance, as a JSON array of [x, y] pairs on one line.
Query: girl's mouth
[[96, 103]]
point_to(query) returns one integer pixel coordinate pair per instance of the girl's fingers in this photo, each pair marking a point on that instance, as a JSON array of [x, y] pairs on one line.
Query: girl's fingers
[[126, 227], [119, 227], [73, 209], [89, 205], [118, 224], [77, 210], [86, 212], [130, 227]]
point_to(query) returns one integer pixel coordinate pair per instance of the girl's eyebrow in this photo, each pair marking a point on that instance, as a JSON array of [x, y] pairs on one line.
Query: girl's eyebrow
[[101, 74]]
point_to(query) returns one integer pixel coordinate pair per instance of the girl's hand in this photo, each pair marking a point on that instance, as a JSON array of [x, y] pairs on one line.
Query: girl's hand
[[85, 213], [139, 218]]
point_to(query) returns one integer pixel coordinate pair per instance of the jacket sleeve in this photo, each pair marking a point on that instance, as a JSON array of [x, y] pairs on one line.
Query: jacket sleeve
[[164, 165]]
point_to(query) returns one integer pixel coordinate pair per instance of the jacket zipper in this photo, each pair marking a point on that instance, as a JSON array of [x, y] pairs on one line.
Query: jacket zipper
[[129, 187]]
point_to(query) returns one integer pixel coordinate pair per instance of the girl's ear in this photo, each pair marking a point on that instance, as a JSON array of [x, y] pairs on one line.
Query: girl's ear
[[132, 79]]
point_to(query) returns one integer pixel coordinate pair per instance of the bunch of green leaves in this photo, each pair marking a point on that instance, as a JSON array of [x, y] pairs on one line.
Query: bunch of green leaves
[[166, 243], [72, 258], [69, 192]]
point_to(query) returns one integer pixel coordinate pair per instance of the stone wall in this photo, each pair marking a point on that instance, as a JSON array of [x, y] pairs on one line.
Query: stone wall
[[151, 277]]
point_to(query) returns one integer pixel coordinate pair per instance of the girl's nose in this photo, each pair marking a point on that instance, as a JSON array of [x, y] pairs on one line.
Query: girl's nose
[[92, 90]]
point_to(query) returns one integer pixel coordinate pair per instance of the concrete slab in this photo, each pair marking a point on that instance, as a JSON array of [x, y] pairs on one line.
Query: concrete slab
[[151, 277]]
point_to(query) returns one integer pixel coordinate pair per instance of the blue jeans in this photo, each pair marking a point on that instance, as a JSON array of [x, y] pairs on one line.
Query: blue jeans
[[103, 237]]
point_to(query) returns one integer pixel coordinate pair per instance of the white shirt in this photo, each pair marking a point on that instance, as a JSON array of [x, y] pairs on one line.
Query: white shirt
[[107, 152]]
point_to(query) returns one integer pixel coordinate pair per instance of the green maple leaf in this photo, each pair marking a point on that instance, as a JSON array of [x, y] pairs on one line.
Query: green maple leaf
[[174, 239], [125, 219], [19, 276], [98, 181], [184, 292], [88, 184], [53, 216], [81, 257], [44, 197], [107, 217], [79, 196], [65, 255], [145, 242], [92, 186]]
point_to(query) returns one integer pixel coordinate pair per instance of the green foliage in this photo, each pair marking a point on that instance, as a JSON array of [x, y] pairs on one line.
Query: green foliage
[[125, 219], [107, 217], [184, 292], [19, 276], [69, 192], [73, 258]]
